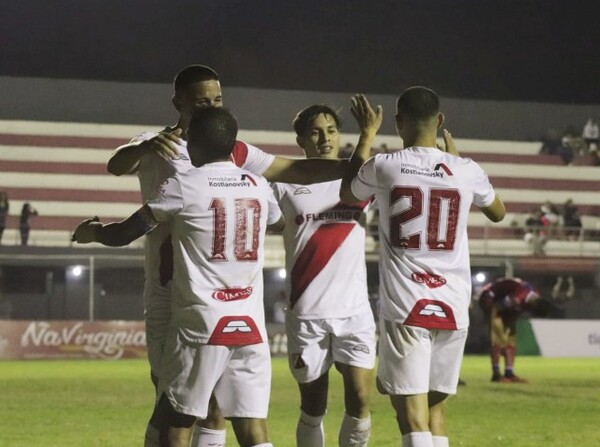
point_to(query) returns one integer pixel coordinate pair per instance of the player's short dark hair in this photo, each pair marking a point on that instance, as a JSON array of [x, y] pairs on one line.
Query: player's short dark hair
[[418, 103], [192, 74], [306, 116], [213, 131]]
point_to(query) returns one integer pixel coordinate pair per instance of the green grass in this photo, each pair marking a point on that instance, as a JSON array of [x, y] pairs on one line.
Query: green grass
[[106, 404]]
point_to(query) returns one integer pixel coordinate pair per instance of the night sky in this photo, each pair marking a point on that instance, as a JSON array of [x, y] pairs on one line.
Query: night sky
[[546, 51]]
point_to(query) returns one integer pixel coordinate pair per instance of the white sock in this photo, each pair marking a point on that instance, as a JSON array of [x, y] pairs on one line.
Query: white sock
[[205, 437], [152, 437], [264, 444], [440, 441], [354, 432], [309, 431], [417, 439]]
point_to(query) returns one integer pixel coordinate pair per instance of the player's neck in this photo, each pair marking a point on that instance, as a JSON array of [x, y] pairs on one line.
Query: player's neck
[[420, 140]]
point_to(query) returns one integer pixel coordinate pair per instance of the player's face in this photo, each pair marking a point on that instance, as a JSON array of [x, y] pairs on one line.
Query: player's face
[[322, 139], [200, 94]]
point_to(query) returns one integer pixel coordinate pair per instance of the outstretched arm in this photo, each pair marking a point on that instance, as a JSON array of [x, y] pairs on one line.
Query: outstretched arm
[[115, 234], [369, 121], [126, 159], [496, 211]]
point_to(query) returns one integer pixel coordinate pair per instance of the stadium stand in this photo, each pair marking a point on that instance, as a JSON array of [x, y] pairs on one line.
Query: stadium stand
[[60, 169]]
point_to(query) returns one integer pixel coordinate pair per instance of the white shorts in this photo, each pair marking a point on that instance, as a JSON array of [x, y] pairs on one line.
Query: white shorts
[[157, 316], [239, 376], [414, 360], [314, 345]]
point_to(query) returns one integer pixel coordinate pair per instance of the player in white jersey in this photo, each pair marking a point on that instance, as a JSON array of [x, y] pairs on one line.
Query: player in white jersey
[[157, 156], [424, 196], [217, 339], [328, 320]]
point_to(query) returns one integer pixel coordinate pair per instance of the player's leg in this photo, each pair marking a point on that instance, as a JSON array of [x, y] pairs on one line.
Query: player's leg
[[412, 416], [309, 359], [353, 347], [176, 428], [437, 418], [497, 337], [510, 350], [210, 431], [243, 393]]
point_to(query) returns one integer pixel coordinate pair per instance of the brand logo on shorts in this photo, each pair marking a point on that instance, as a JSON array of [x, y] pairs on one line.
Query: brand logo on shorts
[[232, 293], [429, 279], [298, 362], [239, 330], [431, 314], [362, 348], [302, 190]]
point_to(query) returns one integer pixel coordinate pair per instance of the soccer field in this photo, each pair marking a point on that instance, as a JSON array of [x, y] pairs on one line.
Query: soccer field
[[106, 404]]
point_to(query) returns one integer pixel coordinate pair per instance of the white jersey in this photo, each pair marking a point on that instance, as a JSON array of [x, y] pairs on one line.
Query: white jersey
[[324, 251], [424, 196], [218, 214], [154, 170]]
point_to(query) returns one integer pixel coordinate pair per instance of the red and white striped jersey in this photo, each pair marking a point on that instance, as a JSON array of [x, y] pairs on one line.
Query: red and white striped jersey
[[324, 248], [424, 196], [218, 214]]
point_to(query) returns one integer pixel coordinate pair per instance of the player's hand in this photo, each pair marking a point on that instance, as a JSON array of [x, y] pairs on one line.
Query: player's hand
[[165, 144], [86, 231], [368, 120], [449, 145]]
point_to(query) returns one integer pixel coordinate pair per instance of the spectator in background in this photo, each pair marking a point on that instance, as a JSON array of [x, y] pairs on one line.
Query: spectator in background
[[571, 220], [572, 145], [591, 134], [550, 216], [534, 235], [26, 212], [4, 206], [551, 143]]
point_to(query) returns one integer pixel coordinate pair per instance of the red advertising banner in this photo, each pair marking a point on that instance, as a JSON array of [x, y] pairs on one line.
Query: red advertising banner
[[111, 340]]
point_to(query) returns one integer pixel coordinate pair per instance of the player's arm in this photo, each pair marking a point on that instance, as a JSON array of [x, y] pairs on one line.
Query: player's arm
[[126, 159], [277, 227], [115, 234], [368, 121], [304, 171], [496, 211]]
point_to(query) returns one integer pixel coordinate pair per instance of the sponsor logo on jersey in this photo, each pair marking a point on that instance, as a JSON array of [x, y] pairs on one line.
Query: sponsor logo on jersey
[[232, 293], [302, 190], [410, 169], [298, 362], [230, 181], [362, 348], [341, 212], [429, 279], [443, 166], [239, 330], [431, 314]]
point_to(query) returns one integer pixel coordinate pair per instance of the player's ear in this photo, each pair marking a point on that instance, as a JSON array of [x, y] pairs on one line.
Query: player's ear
[[300, 141], [441, 118], [176, 103]]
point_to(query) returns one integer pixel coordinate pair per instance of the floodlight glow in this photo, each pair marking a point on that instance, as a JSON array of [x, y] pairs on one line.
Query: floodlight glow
[[77, 270], [480, 277], [282, 273]]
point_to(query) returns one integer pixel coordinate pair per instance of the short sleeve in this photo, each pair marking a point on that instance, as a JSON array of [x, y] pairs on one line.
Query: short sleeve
[[274, 210], [250, 157], [484, 193], [168, 200], [364, 184]]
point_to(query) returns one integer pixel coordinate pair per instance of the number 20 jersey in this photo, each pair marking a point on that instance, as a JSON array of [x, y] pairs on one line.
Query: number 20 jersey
[[424, 197]]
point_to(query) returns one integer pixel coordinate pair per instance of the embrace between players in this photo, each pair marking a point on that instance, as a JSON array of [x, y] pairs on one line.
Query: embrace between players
[[207, 205]]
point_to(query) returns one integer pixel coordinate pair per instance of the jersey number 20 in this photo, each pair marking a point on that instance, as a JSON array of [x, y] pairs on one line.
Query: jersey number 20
[[435, 240]]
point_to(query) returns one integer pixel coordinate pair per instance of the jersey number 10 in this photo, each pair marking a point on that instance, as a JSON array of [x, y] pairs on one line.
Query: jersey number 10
[[246, 221]]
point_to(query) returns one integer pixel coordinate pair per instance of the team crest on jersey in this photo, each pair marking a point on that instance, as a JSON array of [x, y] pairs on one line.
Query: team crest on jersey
[[362, 348], [431, 314], [429, 279], [231, 293], [302, 190], [239, 330]]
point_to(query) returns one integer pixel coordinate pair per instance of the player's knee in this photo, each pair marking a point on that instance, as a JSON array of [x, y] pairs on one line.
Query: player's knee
[[171, 418], [250, 431], [313, 396]]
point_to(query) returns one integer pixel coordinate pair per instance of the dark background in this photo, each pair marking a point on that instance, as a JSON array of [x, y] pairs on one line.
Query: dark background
[[546, 51]]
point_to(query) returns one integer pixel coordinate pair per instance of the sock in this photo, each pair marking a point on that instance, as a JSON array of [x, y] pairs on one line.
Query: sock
[[509, 355], [417, 439], [495, 355], [309, 431], [354, 432], [440, 441], [264, 444], [152, 437], [205, 437]]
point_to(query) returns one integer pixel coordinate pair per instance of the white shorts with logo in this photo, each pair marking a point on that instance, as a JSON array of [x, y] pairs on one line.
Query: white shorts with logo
[[314, 345], [239, 376], [414, 360]]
